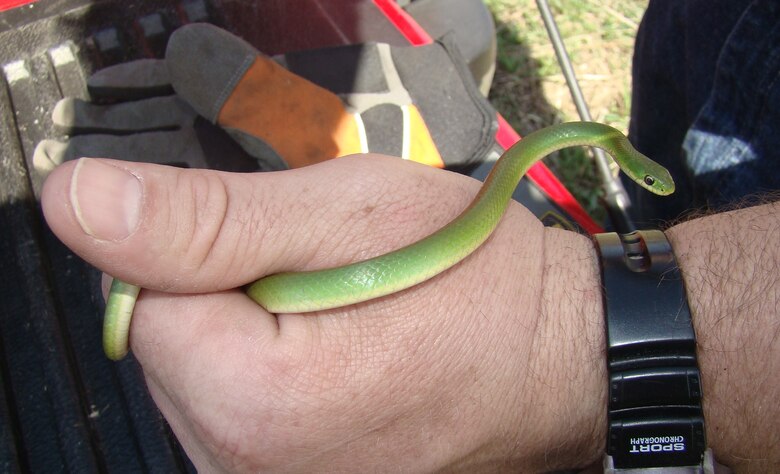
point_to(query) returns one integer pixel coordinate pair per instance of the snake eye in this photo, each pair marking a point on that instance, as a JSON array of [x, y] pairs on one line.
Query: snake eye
[[649, 180]]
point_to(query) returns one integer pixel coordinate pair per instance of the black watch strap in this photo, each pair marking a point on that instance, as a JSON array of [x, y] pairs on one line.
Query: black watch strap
[[655, 415]]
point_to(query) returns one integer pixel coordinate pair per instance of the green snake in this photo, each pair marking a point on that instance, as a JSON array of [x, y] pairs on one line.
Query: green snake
[[400, 269]]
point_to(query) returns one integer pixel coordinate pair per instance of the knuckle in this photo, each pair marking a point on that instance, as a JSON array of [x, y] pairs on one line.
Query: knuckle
[[200, 232]]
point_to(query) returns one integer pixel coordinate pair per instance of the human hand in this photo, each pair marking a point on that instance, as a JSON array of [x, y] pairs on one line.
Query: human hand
[[496, 363]]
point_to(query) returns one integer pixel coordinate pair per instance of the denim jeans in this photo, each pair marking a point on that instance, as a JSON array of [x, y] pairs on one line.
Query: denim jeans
[[706, 102]]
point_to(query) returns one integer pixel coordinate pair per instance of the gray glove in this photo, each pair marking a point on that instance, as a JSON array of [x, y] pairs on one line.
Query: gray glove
[[136, 116]]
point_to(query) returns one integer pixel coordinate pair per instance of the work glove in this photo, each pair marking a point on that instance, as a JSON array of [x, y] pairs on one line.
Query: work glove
[[135, 115], [285, 112]]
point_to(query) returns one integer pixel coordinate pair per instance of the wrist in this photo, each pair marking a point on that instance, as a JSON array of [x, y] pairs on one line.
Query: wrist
[[570, 393], [729, 264]]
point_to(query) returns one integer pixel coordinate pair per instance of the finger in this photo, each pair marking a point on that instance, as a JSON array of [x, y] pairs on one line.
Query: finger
[[132, 80], [179, 147], [184, 336], [75, 116], [201, 359], [196, 230]]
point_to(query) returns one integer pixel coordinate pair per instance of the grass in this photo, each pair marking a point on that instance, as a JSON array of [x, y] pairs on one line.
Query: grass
[[530, 91]]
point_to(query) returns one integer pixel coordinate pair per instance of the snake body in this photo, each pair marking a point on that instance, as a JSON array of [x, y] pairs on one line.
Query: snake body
[[408, 266]]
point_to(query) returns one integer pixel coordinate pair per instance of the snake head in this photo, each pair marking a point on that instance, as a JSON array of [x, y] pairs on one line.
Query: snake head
[[659, 182], [650, 175]]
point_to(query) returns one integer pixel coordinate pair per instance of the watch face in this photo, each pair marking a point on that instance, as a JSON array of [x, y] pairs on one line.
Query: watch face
[[663, 442]]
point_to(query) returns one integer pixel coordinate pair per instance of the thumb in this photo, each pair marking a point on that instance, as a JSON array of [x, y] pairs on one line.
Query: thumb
[[188, 230]]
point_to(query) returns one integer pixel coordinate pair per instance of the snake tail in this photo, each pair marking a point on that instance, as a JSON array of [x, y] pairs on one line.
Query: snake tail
[[119, 312]]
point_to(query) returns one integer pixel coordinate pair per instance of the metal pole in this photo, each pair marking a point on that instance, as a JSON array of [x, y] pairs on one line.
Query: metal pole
[[616, 199]]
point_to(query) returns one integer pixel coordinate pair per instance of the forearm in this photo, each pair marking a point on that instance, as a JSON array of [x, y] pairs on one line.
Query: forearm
[[730, 265], [729, 262]]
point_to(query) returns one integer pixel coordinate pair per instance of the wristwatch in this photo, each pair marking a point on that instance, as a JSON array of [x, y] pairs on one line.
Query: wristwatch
[[655, 414]]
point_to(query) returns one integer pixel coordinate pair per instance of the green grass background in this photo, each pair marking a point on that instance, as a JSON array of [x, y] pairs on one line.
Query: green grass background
[[530, 91]]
